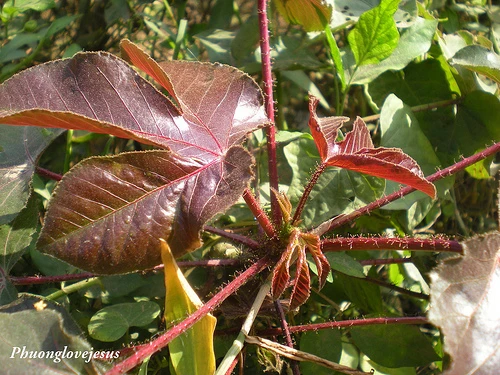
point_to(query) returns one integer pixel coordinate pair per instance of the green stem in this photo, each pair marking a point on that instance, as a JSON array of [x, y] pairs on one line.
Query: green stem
[[84, 284], [245, 329]]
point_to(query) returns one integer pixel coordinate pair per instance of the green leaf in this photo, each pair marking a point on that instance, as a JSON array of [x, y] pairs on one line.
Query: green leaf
[[413, 43], [335, 54], [20, 148], [16, 236], [246, 39], [218, 44], [326, 344], [394, 345], [423, 83], [301, 79], [376, 369], [340, 261], [480, 60], [221, 14], [375, 35], [364, 295], [193, 351], [112, 322], [36, 5], [337, 191], [41, 326]]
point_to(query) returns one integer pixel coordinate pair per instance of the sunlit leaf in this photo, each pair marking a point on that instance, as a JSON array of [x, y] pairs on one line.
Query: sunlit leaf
[[375, 35], [357, 153], [480, 60], [193, 351], [214, 108], [464, 304], [313, 15]]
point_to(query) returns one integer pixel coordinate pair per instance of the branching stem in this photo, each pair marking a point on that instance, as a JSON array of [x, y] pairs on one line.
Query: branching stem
[[344, 219], [162, 341], [303, 199], [267, 78]]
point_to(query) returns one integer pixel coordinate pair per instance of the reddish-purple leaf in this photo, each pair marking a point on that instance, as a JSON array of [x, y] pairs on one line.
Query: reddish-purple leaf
[[302, 286], [465, 304], [281, 273], [357, 153], [313, 244], [109, 213], [128, 202]]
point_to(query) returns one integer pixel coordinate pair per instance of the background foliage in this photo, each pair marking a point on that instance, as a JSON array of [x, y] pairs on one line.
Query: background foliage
[[426, 82]]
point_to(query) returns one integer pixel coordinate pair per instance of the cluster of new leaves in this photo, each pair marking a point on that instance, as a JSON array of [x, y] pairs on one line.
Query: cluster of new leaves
[[108, 213]]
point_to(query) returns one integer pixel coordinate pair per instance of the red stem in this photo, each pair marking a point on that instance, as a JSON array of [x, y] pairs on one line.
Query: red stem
[[344, 219], [259, 214], [303, 199], [233, 236], [267, 78], [391, 243], [288, 336], [49, 174], [162, 341], [345, 324], [34, 280]]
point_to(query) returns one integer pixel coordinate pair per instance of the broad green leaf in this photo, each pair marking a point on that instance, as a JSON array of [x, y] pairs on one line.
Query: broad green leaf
[[375, 35], [218, 44], [341, 262], [193, 351], [476, 126], [371, 366], [20, 147], [480, 60], [364, 295], [221, 14], [326, 344], [246, 39], [126, 198], [337, 191], [423, 83], [313, 15], [413, 43], [17, 236], [36, 5], [399, 128], [394, 345], [464, 304], [112, 322], [38, 325]]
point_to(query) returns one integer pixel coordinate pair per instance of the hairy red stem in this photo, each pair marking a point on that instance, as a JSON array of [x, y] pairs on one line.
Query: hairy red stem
[[259, 214], [162, 341], [233, 236], [267, 78], [49, 174], [452, 169], [391, 243], [303, 199], [34, 280], [345, 324], [288, 336]]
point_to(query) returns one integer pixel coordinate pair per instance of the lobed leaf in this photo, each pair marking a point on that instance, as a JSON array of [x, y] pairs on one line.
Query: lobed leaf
[[108, 213], [106, 206], [357, 153], [464, 304]]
